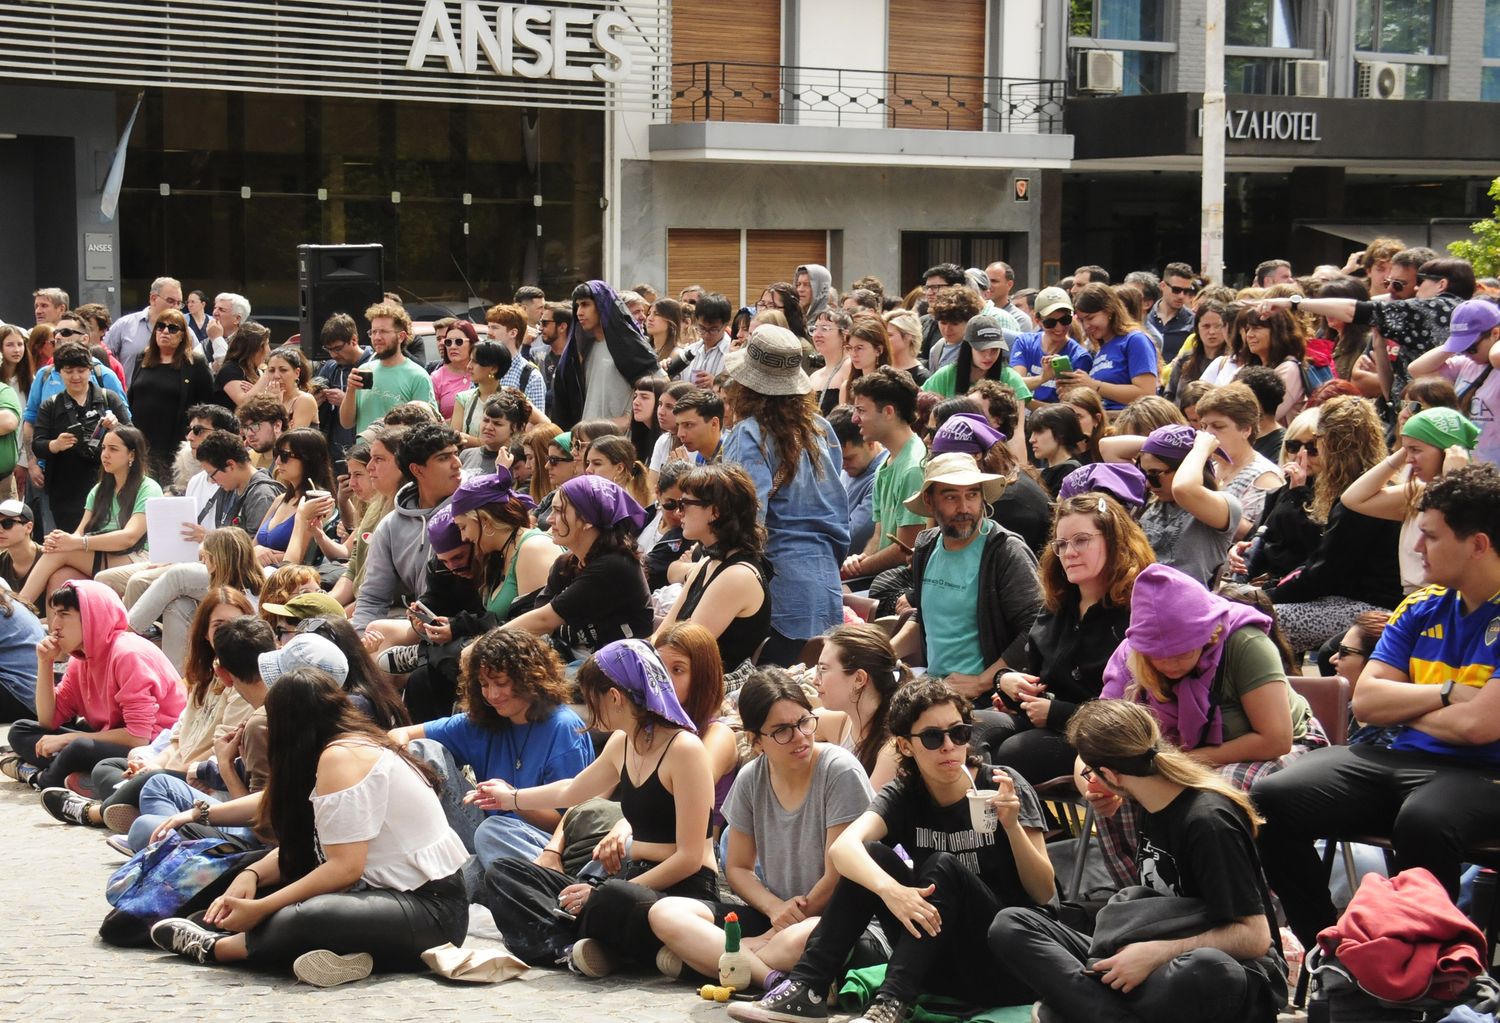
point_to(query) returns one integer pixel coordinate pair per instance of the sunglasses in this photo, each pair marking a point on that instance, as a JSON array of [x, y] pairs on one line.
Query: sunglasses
[[783, 734], [454, 340], [195, 431], [932, 738], [557, 459], [8, 523], [1155, 476], [1414, 407], [670, 505], [170, 328], [693, 502], [1174, 289], [1395, 285], [67, 332], [1063, 319], [287, 456], [1294, 446], [1344, 651]]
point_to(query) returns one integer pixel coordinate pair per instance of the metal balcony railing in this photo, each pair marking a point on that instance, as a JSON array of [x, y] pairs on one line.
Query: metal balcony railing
[[779, 94]]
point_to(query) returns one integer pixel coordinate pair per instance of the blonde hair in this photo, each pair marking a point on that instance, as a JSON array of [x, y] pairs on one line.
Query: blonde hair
[[391, 311], [1106, 731]]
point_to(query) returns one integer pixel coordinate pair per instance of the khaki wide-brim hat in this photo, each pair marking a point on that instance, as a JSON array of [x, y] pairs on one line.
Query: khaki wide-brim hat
[[770, 363], [958, 470]]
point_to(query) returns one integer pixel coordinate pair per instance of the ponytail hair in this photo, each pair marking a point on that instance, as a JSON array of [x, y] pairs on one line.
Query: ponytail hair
[[867, 648], [1125, 738]]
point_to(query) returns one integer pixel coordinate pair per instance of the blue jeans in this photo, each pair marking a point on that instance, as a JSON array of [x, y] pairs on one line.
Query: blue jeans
[[163, 796], [490, 836]]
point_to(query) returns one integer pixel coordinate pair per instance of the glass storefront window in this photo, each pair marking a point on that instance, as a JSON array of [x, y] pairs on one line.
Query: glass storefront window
[[1489, 85], [1396, 26], [1136, 20], [1492, 28]]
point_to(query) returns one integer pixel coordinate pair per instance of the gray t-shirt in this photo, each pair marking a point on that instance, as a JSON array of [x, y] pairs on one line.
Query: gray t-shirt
[[789, 843], [480, 459], [606, 393], [1185, 543]]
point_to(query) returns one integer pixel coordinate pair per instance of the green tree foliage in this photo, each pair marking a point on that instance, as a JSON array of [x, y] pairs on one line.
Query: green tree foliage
[[1483, 250]]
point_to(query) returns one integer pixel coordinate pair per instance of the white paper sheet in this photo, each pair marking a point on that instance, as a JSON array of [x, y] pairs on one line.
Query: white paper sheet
[[165, 517]]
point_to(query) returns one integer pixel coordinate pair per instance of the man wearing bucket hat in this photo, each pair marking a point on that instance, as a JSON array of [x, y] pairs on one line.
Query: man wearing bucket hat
[[1031, 354], [1465, 361], [793, 457], [974, 582]]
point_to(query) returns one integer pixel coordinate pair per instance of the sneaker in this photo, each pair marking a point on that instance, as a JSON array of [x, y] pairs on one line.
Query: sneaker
[[185, 938], [589, 957], [152, 633], [400, 660], [668, 963], [26, 774], [118, 817], [80, 783], [789, 1002], [10, 766], [323, 968], [120, 844], [68, 806], [883, 1010]]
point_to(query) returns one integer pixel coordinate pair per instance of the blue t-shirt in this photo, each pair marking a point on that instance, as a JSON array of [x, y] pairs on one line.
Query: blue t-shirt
[[1431, 638], [1027, 356], [550, 750], [949, 621], [1121, 359], [20, 632]]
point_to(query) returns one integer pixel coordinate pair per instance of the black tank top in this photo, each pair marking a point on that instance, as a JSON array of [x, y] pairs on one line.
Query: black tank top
[[649, 807], [742, 636]]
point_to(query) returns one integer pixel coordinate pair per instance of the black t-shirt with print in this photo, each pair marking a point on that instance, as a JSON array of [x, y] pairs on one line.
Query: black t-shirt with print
[[605, 601], [914, 821], [1199, 846]]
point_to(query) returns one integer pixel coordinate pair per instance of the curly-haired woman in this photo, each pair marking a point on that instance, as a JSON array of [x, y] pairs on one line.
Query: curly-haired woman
[[516, 727]]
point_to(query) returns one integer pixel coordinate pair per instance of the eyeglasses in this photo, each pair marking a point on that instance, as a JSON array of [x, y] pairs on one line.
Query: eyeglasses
[[8, 523], [693, 502], [1089, 773], [1060, 320], [67, 332], [1174, 289], [1077, 543], [544, 323], [557, 459], [933, 738], [170, 328], [1294, 446], [783, 734], [196, 431], [1344, 651]]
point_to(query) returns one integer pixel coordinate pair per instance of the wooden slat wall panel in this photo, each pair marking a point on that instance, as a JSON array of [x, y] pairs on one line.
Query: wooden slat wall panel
[[745, 32], [772, 256], [709, 258], [923, 48]]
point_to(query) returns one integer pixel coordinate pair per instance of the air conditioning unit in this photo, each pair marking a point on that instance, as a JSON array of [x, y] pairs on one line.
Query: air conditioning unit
[[1102, 71], [1380, 80], [1309, 78]]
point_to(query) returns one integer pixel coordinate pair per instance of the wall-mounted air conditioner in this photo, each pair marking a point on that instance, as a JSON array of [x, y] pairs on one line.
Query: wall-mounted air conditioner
[[1378, 79], [1102, 71], [1309, 78]]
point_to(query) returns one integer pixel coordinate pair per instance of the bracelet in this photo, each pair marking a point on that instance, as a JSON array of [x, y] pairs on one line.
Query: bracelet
[[258, 879], [85, 541], [515, 801]]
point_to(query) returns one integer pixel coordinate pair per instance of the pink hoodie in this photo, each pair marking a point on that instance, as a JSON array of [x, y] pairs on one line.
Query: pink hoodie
[[119, 678]]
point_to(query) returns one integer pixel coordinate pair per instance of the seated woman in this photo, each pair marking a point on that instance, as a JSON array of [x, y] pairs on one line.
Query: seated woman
[[936, 912], [658, 768], [597, 593], [856, 675], [726, 592], [690, 654], [211, 713], [512, 559], [1189, 521], [1232, 414], [1213, 678], [786, 808], [1056, 439], [1288, 534], [369, 690], [1355, 566], [226, 558], [20, 633], [614, 458], [117, 684], [349, 808], [517, 727], [1087, 575], [302, 466], [113, 529], [1433, 444]]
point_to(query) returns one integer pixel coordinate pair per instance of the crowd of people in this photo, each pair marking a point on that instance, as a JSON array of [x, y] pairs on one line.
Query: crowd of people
[[799, 612]]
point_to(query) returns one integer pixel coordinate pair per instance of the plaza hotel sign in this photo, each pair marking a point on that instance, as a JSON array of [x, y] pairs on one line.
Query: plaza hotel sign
[[566, 44], [1268, 125]]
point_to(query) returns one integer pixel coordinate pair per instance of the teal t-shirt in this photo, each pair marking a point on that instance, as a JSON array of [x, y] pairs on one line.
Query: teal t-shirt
[[896, 479], [148, 489], [391, 386], [950, 619], [945, 382]]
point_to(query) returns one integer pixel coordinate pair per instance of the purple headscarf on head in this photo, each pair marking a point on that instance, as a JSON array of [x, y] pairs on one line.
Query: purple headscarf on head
[[1172, 442], [1121, 480], [602, 503], [443, 532], [636, 668], [478, 491], [968, 432]]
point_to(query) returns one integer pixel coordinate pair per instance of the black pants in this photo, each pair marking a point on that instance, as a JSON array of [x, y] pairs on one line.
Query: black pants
[[1204, 984], [781, 651], [1430, 808], [112, 788], [394, 927], [13, 708], [954, 962], [523, 898], [78, 755]]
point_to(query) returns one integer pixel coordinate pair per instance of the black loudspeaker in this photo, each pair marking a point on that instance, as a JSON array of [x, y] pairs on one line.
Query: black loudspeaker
[[337, 279]]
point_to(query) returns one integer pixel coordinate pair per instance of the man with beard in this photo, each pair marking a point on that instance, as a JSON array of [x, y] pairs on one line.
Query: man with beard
[[974, 582], [390, 379]]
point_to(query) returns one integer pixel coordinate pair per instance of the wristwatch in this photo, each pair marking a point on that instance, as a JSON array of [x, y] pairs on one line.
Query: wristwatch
[[1296, 302], [1446, 691]]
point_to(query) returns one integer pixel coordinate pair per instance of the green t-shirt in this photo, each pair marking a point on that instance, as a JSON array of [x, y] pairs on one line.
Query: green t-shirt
[[944, 382], [388, 387], [950, 619], [148, 489], [896, 479], [10, 448], [1250, 661]]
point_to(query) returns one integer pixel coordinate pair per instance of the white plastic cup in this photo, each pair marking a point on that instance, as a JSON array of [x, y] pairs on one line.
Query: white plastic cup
[[982, 816]]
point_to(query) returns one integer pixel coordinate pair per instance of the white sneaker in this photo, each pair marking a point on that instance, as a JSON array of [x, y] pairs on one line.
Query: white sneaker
[[323, 968]]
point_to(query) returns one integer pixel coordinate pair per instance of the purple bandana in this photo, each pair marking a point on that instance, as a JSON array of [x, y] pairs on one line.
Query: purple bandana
[[635, 667], [442, 531], [1170, 443], [479, 491], [602, 503], [968, 432], [1121, 480]]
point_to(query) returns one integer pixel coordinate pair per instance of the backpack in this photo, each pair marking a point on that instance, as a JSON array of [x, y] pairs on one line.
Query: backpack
[[173, 877]]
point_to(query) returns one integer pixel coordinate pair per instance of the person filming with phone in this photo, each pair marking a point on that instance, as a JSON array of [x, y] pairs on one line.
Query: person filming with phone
[[1043, 355]]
